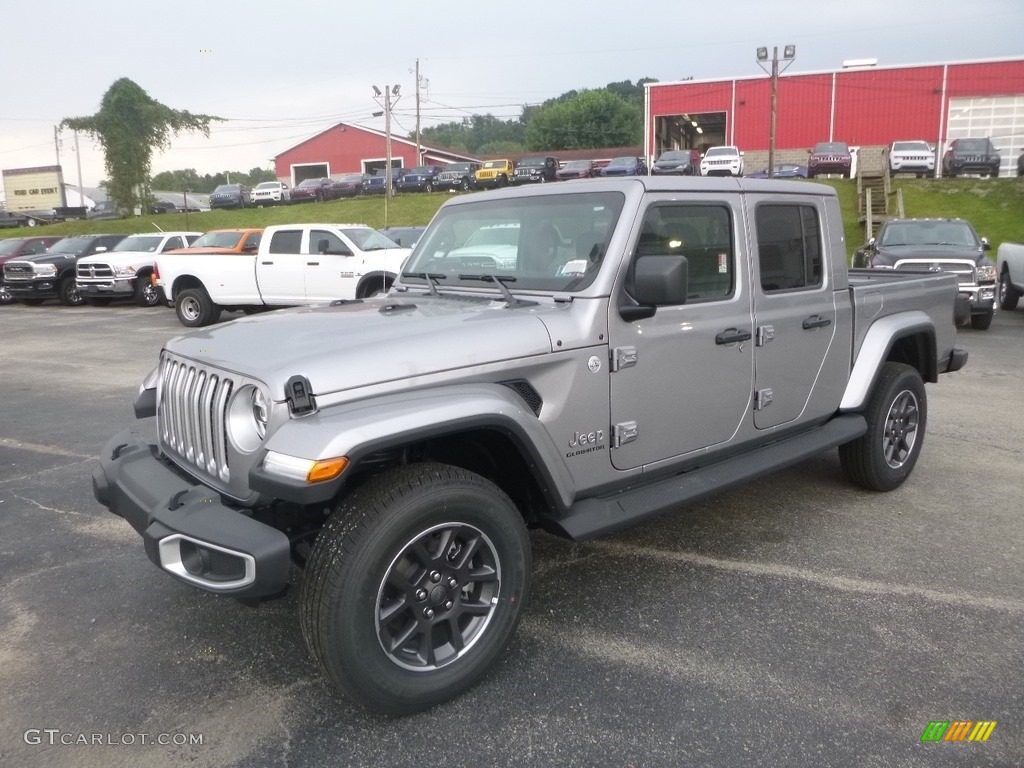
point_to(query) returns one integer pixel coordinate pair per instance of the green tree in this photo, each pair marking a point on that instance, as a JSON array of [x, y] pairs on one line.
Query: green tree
[[130, 125], [590, 119]]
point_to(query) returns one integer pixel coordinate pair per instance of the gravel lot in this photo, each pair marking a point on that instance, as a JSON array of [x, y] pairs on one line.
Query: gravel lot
[[796, 622]]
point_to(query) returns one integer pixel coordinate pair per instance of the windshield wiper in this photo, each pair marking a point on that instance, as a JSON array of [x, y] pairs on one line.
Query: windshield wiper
[[429, 277], [500, 280]]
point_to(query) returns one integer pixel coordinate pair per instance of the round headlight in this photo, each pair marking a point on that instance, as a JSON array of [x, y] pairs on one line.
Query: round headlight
[[248, 414]]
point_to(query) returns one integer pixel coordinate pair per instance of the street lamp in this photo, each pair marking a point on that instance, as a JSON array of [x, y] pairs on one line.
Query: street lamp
[[788, 54], [388, 92]]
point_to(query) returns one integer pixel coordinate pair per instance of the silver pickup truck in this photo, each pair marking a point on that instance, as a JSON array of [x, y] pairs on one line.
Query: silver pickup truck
[[579, 357]]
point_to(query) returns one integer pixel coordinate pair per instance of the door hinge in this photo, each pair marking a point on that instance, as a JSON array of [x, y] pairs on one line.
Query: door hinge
[[762, 399], [623, 433], [623, 357], [765, 333]]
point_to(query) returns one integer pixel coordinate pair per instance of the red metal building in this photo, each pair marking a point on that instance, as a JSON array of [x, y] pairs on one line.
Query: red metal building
[[863, 106], [348, 148]]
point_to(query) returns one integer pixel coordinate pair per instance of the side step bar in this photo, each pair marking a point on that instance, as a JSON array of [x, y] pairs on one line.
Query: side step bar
[[589, 518]]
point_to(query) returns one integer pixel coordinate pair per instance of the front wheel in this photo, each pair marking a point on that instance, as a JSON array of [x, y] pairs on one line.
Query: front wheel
[[414, 586], [195, 308], [465, 185], [146, 294], [67, 292], [897, 412], [1008, 295], [983, 321]]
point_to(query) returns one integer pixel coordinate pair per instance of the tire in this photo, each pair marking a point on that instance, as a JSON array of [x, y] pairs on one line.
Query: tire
[[5, 297], [428, 187], [31, 302], [1008, 295], [146, 294], [67, 293], [414, 586], [810, 174], [503, 181], [983, 321], [97, 301], [465, 185], [195, 309], [897, 413]]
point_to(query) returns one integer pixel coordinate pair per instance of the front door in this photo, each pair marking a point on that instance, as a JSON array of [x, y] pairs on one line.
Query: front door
[[682, 379], [332, 269], [281, 272]]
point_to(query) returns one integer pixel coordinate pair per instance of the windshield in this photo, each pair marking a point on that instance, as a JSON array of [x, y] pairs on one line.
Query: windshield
[[139, 243], [367, 239], [349, 178], [532, 162], [457, 167], [716, 151], [675, 156], [929, 233], [268, 185], [495, 164], [420, 169], [71, 245], [543, 243], [911, 146], [573, 165], [831, 147], [218, 240], [620, 162], [309, 183], [7, 247], [226, 188], [972, 145]]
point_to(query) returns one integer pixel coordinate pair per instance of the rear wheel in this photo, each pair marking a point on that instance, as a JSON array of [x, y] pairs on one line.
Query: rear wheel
[[897, 412], [195, 309], [414, 586], [1008, 295], [67, 292], [983, 321]]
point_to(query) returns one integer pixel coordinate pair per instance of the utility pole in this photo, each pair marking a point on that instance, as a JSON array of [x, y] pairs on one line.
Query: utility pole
[[389, 91], [788, 54], [419, 151], [78, 160]]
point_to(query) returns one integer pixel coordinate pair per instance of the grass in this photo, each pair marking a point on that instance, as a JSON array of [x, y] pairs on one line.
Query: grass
[[994, 206]]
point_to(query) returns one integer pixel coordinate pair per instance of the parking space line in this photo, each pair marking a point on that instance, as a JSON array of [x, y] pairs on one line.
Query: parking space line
[[52, 450]]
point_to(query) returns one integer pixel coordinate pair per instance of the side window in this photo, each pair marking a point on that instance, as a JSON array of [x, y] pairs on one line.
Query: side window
[[286, 241], [321, 240], [171, 242], [701, 233], [789, 247], [189, 239], [252, 242]]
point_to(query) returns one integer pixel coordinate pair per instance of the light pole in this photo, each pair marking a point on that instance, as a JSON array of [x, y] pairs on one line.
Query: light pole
[[389, 91], [788, 54]]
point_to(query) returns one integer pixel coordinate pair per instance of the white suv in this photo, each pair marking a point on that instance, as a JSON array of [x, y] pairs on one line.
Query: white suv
[[911, 157], [271, 192], [722, 161]]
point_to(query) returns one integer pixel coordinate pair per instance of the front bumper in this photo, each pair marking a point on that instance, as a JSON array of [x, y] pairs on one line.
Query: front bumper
[[186, 528], [33, 289], [107, 288], [982, 298]]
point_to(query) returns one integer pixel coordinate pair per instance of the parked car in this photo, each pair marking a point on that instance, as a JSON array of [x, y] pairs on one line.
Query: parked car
[[782, 171], [230, 196], [625, 166], [419, 179], [722, 161], [349, 185], [375, 184], [16, 248], [406, 237], [970, 156], [105, 210], [457, 176], [223, 241], [163, 206], [123, 272], [494, 173], [14, 219], [535, 170], [943, 245], [271, 193], [51, 274], [830, 157], [577, 169], [915, 157], [677, 162], [309, 189]]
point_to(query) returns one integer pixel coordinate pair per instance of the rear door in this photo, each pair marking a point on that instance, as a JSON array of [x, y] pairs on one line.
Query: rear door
[[281, 269], [799, 363]]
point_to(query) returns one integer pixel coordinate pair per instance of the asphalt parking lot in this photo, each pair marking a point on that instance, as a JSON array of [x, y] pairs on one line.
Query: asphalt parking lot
[[798, 621]]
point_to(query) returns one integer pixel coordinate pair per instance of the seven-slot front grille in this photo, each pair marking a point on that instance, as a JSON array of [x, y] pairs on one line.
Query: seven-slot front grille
[[191, 414]]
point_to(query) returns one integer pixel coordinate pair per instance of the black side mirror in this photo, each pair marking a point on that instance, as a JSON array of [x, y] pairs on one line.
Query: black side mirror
[[985, 245], [657, 281]]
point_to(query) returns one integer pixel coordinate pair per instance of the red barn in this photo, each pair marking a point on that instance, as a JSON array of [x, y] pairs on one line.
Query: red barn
[[866, 106], [347, 148]]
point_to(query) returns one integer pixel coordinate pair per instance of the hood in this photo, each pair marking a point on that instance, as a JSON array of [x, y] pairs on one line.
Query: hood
[[119, 257], [890, 254], [355, 344], [46, 258]]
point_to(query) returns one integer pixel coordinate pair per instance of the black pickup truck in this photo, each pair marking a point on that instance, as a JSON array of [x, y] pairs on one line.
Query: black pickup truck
[[51, 275]]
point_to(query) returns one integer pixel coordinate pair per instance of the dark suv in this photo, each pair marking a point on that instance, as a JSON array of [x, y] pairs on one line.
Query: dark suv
[[230, 196], [939, 245], [51, 274], [677, 162], [970, 156], [830, 157], [419, 179], [535, 170]]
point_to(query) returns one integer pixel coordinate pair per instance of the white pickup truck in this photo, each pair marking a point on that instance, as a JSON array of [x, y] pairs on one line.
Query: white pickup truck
[[124, 271], [296, 264], [1010, 268]]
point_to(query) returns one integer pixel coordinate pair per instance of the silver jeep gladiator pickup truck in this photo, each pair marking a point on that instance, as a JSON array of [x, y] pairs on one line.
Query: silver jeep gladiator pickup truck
[[579, 357]]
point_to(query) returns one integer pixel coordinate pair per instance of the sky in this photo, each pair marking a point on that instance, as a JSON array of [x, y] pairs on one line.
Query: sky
[[279, 72]]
